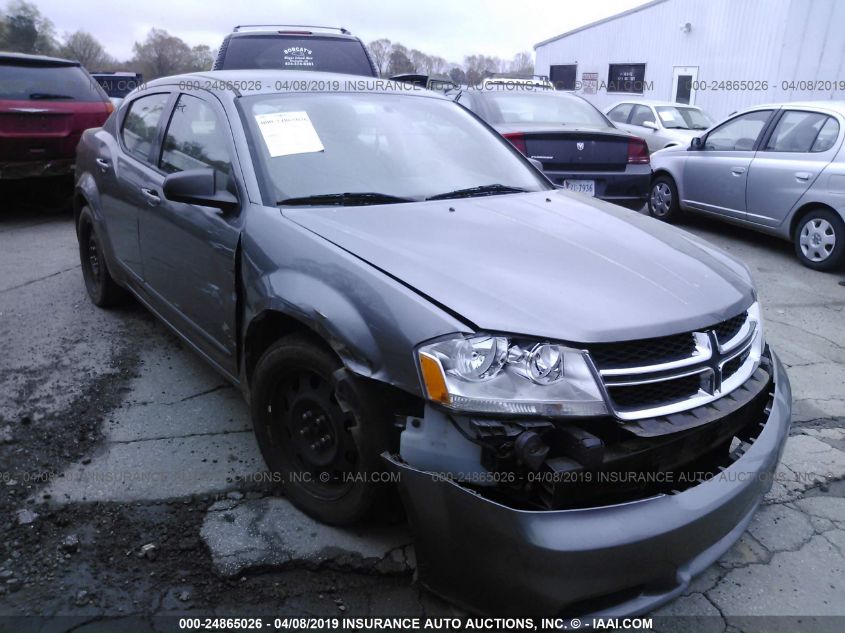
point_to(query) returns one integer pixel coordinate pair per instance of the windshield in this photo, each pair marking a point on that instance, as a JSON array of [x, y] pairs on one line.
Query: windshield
[[683, 118], [404, 146], [23, 82], [525, 106], [309, 52]]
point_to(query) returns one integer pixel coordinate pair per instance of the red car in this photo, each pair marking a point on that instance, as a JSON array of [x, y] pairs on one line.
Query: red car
[[45, 105]]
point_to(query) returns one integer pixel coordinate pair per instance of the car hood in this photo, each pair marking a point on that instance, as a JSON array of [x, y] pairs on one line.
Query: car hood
[[549, 264]]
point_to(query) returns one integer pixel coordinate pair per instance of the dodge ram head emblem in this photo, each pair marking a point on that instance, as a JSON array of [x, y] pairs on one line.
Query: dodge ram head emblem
[[580, 146]]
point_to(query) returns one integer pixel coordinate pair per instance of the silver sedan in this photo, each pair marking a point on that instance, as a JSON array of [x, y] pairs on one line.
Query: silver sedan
[[779, 169]]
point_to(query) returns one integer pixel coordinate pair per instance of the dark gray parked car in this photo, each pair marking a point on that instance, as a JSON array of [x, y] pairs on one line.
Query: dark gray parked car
[[392, 285], [578, 147]]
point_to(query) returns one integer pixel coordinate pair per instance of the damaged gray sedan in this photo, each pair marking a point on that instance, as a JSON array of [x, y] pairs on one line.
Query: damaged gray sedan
[[578, 400]]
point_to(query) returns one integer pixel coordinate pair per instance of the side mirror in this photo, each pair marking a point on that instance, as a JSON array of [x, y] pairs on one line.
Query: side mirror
[[198, 186], [536, 163], [696, 143], [651, 125]]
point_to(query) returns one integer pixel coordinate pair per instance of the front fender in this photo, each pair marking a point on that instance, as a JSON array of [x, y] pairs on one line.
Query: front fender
[[372, 321]]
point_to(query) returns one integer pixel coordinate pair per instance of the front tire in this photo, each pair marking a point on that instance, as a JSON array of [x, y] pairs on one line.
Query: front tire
[[663, 201], [324, 451], [819, 240], [101, 286]]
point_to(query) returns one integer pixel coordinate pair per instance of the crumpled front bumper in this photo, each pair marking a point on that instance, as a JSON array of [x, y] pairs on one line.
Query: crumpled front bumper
[[619, 560]]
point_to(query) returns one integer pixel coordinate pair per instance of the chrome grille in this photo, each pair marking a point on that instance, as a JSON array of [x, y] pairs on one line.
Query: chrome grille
[[626, 353], [659, 376], [726, 330]]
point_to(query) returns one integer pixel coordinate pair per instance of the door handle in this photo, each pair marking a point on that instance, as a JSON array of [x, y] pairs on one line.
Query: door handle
[[151, 196], [803, 176], [737, 171], [103, 164]]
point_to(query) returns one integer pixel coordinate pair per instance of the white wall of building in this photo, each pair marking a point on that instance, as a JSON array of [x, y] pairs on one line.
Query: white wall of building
[[773, 41]]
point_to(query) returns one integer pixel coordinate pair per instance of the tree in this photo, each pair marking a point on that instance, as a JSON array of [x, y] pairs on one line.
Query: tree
[[420, 61], [480, 66], [24, 30], [457, 75], [84, 48], [380, 52], [400, 63], [522, 64], [202, 58], [162, 54]]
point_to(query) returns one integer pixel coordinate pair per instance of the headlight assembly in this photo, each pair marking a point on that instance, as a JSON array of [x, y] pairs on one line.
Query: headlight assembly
[[497, 374]]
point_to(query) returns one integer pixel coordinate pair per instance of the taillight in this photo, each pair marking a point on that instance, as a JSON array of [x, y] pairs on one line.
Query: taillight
[[638, 151], [517, 140], [109, 107]]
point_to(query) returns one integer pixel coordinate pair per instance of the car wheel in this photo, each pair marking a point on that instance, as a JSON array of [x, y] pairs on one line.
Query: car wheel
[[820, 240], [101, 286], [663, 201], [322, 450]]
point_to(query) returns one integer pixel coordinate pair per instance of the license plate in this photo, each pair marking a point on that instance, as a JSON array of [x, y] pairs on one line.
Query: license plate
[[587, 187]]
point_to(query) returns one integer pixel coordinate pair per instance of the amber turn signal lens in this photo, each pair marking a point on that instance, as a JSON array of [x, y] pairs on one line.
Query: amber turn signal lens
[[435, 381], [109, 107]]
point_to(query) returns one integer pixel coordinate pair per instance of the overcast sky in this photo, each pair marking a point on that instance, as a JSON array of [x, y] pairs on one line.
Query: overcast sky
[[449, 28]]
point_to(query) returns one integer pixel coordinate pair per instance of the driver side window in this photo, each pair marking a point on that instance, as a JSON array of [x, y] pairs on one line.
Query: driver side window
[[738, 134], [195, 139]]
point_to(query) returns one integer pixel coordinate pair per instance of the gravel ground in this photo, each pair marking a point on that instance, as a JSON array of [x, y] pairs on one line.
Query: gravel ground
[[129, 469]]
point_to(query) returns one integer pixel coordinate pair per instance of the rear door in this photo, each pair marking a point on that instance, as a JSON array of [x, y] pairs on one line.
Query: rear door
[[799, 147], [715, 177], [188, 250]]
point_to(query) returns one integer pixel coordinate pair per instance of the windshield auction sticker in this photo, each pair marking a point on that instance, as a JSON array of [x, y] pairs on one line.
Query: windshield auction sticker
[[287, 133]]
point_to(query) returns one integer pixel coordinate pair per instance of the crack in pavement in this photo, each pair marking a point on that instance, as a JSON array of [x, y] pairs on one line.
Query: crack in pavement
[[178, 437], [34, 281], [808, 332]]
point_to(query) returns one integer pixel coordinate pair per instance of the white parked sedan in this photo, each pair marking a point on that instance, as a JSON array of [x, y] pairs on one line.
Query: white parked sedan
[[660, 123]]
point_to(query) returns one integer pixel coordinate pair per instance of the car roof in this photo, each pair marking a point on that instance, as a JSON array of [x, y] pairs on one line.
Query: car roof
[[266, 81], [36, 60], [655, 102], [341, 34], [834, 106]]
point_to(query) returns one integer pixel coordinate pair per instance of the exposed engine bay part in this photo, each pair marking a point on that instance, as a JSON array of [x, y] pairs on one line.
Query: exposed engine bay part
[[551, 464], [616, 560]]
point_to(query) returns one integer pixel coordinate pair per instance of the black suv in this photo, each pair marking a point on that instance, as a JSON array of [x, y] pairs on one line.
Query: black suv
[[294, 47]]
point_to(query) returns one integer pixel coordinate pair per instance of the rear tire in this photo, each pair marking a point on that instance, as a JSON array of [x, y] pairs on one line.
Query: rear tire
[[819, 240], [663, 202], [101, 286], [323, 455]]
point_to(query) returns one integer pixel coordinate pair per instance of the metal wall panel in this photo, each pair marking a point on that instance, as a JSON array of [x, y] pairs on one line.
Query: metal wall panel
[[773, 41]]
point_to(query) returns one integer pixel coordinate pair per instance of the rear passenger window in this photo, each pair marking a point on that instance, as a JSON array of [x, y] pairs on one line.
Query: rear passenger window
[[803, 132], [620, 113], [195, 139], [827, 136], [141, 123]]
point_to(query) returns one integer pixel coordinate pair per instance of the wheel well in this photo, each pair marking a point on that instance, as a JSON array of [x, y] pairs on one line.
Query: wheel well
[[802, 212], [267, 328], [79, 201], [661, 172]]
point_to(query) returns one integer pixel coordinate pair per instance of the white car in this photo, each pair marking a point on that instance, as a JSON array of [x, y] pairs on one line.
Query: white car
[[660, 123]]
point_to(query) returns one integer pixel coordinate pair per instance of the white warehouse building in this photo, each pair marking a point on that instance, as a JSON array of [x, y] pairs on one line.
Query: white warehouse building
[[721, 55]]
